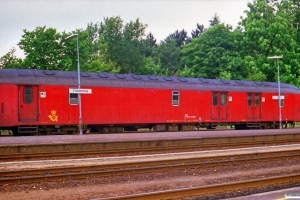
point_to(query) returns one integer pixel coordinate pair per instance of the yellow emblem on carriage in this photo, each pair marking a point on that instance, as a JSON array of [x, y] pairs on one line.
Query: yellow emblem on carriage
[[53, 117]]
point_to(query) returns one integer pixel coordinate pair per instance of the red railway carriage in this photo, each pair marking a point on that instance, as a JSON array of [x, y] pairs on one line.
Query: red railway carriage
[[42, 102]]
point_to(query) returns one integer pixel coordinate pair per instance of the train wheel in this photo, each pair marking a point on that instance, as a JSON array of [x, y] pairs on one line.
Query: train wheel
[[119, 129], [112, 129], [105, 130]]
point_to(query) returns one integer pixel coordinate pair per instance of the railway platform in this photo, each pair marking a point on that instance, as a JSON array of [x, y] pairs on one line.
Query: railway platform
[[143, 136], [98, 142], [272, 195]]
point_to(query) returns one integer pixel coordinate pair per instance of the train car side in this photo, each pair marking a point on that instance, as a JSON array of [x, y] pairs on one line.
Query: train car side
[[9, 104], [41, 102]]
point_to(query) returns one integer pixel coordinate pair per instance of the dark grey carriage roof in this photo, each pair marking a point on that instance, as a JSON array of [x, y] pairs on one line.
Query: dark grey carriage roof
[[49, 77]]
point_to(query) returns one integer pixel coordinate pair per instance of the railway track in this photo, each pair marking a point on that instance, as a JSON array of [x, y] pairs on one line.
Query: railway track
[[92, 168], [134, 151], [213, 189]]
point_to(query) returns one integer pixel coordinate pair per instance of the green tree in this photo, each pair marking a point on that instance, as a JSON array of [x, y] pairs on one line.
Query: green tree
[[167, 55], [150, 68], [180, 37], [87, 50], [149, 43], [9, 60], [198, 31], [151, 40], [100, 63], [215, 20], [92, 36], [296, 22], [214, 54], [269, 31], [43, 49], [124, 46], [185, 72]]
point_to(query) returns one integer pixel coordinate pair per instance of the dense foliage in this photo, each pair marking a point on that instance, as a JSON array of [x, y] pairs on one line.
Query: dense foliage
[[218, 51]]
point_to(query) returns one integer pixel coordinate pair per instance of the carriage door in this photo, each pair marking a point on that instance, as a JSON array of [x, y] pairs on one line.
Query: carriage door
[[28, 103], [219, 105], [253, 106]]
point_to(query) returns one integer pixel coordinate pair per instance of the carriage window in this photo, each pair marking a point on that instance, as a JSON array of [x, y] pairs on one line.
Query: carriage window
[[249, 99], [257, 99], [28, 94], [73, 99], [175, 98], [223, 99], [281, 102], [215, 99]]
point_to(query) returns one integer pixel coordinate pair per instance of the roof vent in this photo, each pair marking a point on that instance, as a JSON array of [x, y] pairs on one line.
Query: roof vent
[[152, 77], [224, 81], [136, 76], [46, 72], [182, 79], [265, 83], [120, 76], [258, 83], [168, 78], [203, 80], [103, 75], [84, 74], [239, 82]]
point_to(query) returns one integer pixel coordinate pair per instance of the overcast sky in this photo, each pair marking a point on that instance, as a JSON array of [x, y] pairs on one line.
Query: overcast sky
[[163, 17]]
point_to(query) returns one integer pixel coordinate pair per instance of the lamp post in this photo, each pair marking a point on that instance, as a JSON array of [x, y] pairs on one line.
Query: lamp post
[[279, 97], [79, 97]]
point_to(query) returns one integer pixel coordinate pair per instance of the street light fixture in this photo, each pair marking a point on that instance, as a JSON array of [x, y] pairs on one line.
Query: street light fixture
[[279, 97], [79, 97]]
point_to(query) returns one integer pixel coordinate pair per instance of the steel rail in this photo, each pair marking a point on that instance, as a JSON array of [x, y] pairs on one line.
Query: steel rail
[[211, 189], [144, 150], [69, 173]]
